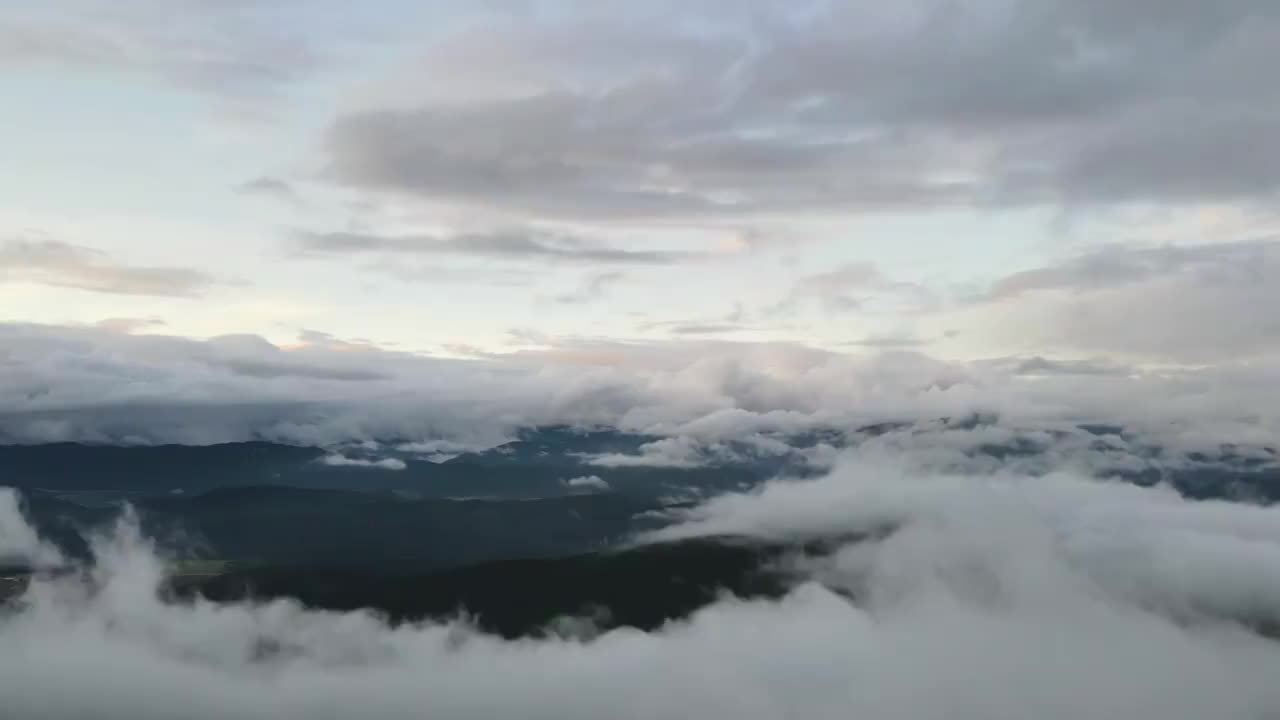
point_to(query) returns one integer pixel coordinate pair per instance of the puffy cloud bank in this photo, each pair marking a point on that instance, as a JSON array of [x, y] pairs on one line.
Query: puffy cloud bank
[[987, 595]]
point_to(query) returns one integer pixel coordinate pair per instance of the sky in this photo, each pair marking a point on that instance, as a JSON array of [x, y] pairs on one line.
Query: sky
[[992, 178]]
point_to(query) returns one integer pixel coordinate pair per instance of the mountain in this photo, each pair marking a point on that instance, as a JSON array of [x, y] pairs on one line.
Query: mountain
[[640, 587], [273, 525]]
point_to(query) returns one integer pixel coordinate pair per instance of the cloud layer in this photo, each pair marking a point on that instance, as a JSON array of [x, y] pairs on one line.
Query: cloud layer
[[100, 385], [697, 109]]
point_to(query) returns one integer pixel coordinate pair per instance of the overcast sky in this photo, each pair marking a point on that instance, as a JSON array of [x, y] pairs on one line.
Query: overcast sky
[[1078, 179]]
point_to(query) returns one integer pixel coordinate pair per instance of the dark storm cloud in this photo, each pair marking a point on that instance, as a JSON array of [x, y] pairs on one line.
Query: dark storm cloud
[[849, 105], [510, 245], [50, 262]]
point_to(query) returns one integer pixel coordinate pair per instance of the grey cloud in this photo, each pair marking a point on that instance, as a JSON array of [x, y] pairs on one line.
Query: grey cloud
[[50, 262], [846, 106], [1043, 366], [695, 328], [317, 338], [89, 384], [509, 245], [270, 187], [1115, 265]]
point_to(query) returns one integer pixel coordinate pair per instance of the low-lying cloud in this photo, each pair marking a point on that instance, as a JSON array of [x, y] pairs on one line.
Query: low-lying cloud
[[96, 385], [340, 460], [988, 595]]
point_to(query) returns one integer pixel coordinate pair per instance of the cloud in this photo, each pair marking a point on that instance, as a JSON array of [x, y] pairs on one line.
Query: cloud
[[239, 53], [667, 453], [587, 482], [594, 288], [1043, 366], [19, 543], [696, 328], [1150, 604], [889, 342], [736, 320], [128, 325], [1179, 303], [1117, 266], [857, 287], [695, 110], [270, 187], [507, 246], [340, 460], [92, 385], [50, 262]]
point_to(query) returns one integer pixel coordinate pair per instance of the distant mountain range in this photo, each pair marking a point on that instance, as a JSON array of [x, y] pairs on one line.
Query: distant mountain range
[[389, 508]]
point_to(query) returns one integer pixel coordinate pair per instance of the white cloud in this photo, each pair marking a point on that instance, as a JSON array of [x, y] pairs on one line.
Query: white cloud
[[340, 460], [587, 482], [19, 543]]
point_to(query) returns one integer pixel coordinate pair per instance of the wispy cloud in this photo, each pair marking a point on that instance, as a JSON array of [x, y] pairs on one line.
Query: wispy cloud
[[593, 288], [857, 286], [50, 262], [499, 245], [271, 187]]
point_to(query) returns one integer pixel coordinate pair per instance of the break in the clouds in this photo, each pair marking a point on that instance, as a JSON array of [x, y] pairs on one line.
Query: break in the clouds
[[43, 261], [702, 109]]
